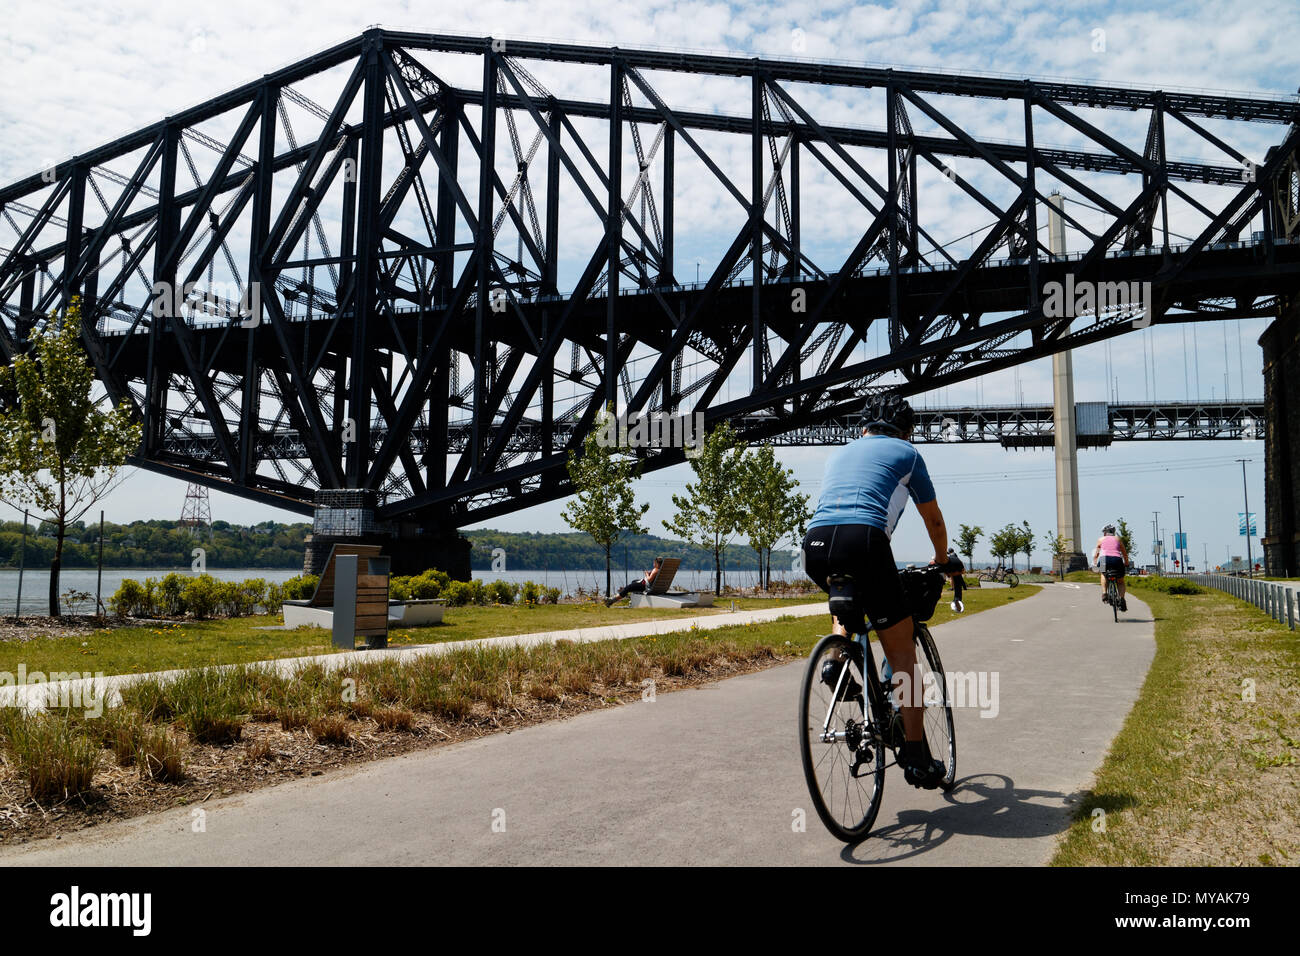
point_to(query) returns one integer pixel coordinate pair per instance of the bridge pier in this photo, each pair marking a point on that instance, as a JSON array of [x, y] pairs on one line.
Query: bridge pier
[[1280, 342], [345, 516], [1066, 442]]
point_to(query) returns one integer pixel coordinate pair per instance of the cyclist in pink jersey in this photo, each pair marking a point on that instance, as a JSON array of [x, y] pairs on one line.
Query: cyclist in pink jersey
[[1113, 559]]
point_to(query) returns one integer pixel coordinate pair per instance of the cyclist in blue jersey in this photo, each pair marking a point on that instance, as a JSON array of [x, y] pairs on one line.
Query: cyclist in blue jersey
[[864, 491]]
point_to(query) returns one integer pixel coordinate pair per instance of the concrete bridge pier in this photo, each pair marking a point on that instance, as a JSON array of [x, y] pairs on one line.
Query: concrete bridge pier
[[1068, 524]]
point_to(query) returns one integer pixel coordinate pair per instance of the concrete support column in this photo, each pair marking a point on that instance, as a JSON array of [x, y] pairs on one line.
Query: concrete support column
[[1067, 445]]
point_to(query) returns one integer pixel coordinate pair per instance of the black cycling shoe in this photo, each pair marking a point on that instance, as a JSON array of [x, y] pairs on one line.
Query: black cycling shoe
[[1123, 605], [927, 779], [919, 768]]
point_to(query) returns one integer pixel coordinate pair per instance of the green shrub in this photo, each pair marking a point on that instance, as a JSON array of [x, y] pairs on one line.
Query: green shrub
[[459, 593], [419, 587], [226, 595], [501, 592], [274, 598], [530, 592], [150, 605], [171, 595], [252, 592], [1165, 585], [300, 588], [550, 595], [127, 599], [202, 595]]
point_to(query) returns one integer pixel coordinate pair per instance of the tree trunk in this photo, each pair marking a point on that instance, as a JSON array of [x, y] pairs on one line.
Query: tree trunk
[[54, 571], [717, 571], [607, 590]]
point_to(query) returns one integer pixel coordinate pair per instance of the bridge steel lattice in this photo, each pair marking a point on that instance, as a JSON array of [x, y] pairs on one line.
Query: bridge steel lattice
[[475, 239]]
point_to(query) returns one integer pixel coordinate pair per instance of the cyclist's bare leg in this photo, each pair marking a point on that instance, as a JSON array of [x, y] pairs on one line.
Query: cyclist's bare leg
[[900, 649]]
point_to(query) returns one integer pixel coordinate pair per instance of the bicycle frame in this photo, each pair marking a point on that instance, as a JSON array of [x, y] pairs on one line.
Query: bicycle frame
[[873, 684]]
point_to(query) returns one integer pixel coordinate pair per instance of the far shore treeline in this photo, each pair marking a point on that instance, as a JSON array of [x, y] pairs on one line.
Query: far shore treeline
[[164, 544]]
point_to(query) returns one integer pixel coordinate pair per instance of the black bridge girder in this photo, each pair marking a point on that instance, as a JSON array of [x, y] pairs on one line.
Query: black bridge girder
[[385, 291]]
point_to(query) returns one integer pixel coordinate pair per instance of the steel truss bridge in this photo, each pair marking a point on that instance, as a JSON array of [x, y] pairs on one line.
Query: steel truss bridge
[[421, 265], [1098, 424]]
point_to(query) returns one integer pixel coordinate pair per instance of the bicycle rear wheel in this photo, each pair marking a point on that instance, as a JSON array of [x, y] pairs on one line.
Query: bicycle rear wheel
[[843, 765], [1113, 590], [940, 728], [1012, 579]]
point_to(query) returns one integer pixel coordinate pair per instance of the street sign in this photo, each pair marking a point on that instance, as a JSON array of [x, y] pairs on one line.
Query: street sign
[[1241, 524], [1180, 540]]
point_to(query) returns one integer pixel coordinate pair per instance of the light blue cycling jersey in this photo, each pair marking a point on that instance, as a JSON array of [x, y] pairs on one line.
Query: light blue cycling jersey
[[868, 481]]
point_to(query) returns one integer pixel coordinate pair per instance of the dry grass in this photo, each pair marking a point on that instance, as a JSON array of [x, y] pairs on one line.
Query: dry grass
[[394, 718], [159, 756], [331, 729]]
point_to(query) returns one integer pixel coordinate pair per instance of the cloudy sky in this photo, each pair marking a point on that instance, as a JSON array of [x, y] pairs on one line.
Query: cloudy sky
[[78, 74]]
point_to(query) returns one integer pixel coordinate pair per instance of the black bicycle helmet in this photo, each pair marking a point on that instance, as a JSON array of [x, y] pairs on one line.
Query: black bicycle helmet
[[888, 413], [1109, 529]]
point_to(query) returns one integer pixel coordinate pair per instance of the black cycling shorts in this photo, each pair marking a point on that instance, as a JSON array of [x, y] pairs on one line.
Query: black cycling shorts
[[1113, 565], [863, 552]]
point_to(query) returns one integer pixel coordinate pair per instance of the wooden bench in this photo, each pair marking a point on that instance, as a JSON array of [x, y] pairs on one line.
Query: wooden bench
[[659, 596], [363, 586]]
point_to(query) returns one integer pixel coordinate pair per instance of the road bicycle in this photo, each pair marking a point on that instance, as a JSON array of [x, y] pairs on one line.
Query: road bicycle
[[1000, 574], [847, 739], [1112, 593]]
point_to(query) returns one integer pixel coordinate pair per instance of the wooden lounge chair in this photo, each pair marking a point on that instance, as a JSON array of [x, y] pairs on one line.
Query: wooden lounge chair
[[369, 593], [660, 596]]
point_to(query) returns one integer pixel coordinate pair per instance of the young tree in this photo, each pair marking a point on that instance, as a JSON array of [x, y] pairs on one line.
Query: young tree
[[1005, 543], [967, 538], [61, 448], [1060, 546], [771, 508], [1027, 544], [604, 505], [1125, 535], [711, 510]]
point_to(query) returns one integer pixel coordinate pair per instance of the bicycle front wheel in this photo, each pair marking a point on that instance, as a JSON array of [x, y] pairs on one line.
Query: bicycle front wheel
[[940, 728], [1012, 580], [842, 762]]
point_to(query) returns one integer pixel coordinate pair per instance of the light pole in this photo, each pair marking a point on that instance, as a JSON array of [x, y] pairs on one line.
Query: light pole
[[1160, 544], [1183, 549], [1245, 497]]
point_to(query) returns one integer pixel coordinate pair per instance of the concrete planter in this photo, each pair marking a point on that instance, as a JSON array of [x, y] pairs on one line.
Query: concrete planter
[[421, 613]]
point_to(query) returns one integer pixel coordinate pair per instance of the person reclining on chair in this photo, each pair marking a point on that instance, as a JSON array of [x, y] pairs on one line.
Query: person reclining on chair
[[864, 492], [637, 587]]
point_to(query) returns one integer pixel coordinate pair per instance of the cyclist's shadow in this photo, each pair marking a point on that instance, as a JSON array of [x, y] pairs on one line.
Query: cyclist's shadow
[[983, 805]]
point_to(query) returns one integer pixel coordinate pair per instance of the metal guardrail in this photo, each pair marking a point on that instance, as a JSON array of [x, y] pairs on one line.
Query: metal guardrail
[[1276, 600]]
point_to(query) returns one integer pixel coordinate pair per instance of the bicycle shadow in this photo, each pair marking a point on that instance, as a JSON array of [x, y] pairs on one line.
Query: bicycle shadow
[[986, 805]]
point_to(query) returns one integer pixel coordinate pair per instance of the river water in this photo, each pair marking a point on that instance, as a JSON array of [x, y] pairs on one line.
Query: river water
[[36, 581]]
